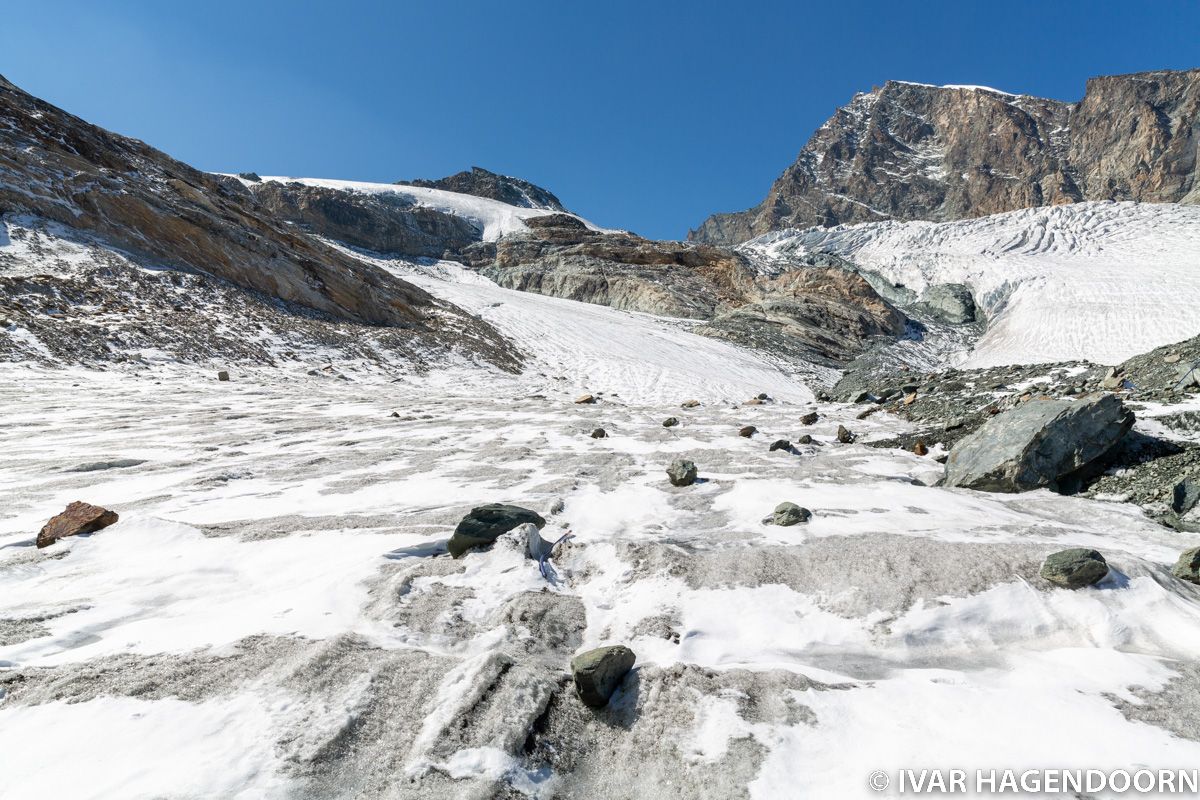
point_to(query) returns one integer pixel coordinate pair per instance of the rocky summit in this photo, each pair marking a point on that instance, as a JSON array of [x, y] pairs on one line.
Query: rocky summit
[[910, 151]]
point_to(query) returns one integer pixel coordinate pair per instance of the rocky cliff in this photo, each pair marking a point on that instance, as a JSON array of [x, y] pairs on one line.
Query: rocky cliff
[[910, 151], [153, 212]]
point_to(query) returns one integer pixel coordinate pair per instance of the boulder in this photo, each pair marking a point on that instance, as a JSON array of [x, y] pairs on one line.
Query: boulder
[[585, 399], [599, 433], [810, 418], [682, 472], [222, 375], [1045, 442], [844, 435], [951, 303], [485, 524], [670, 422], [1187, 568], [1185, 495], [76, 519], [786, 514], [1074, 568], [920, 449], [747, 431], [780, 444], [597, 673], [805, 439], [690, 404]]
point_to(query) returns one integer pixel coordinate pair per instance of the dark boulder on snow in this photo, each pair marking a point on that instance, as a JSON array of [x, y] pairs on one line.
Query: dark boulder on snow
[[844, 435], [1187, 568], [485, 524], [670, 422], [747, 431], [597, 673], [682, 472], [78, 518], [780, 444], [786, 514], [1074, 568], [1044, 442]]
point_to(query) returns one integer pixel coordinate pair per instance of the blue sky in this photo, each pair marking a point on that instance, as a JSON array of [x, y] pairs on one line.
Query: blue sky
[[641, 115]]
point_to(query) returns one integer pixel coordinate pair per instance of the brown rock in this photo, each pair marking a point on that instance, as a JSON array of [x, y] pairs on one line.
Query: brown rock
[[690, 404], [585, 399], [810, 418], [920, 449], [747, 431], [844, 435], [76, 519]]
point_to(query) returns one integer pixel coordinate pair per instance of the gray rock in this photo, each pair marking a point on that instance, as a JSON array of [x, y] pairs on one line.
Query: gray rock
[[786, 514], [780, 444], [1187, 568], [599, 433], [1185, 495], [805, 439], [690, 404], [116, 463], [844, 435], [670, 422], [1074, 568], [222, 375], [485, 524], [597, 673], [1040, 443], [810, 418], [951, 303], [682, 472]]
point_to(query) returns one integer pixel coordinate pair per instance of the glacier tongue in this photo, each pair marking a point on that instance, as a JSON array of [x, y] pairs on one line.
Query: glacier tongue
[[1095, 281]]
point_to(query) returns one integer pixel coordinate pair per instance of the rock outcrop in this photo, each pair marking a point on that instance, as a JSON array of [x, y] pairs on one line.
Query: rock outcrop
[[908, 151], [61, 168], [826, 316], [1040, 443], [483, 183], [384, 223]]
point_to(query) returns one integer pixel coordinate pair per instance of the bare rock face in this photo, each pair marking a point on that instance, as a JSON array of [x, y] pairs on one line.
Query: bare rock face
[[827, 316], [910, 151], [76, 519], [505, 188], [58, 167], [560, 256], [380, 222]]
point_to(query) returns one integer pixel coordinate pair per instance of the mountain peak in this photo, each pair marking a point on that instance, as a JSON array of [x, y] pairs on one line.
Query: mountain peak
[[485, 183], [911, 151]]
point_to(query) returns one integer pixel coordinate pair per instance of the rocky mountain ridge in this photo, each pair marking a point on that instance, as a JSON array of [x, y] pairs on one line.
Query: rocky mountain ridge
[[907, 151], [485, 183]]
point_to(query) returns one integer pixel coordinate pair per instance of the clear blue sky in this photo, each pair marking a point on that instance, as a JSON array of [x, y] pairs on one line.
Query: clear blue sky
[[641, 115]]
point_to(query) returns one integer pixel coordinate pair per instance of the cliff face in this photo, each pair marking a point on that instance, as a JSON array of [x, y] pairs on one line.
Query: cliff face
[[910, 151]]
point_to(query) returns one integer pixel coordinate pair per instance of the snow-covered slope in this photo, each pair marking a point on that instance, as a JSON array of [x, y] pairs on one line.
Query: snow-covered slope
[[1097, 281], [494, 217], [270, 601]]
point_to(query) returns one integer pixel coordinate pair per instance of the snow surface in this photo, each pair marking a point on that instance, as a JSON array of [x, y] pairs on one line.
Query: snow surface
[[1098, 281], [494, 217], [284, 507]]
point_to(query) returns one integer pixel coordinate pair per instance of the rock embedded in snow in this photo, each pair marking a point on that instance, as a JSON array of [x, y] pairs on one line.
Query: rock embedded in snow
[[597, 673], [920, 449], [599, 433], [805, 439], [682, 472], [747, 431], [844, 435], [690, 404], [951, 303], [787, 514], [585, 399], [1042, 443], [78, 518], [810, 418], [222, 375], [1074, 568], [1187, 568], [780, 444], [484, 524], [670, 422]]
